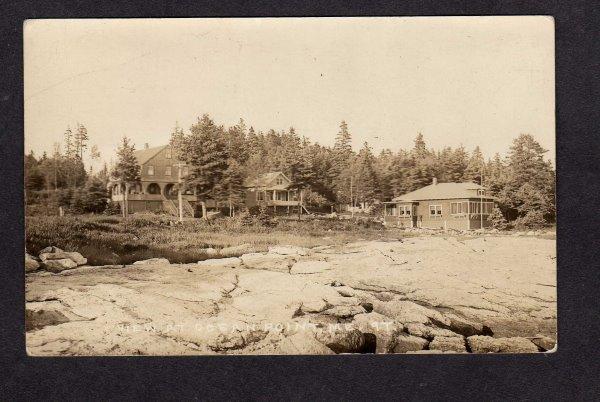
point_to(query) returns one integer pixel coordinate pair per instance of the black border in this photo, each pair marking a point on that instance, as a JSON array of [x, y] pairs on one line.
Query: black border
[[570, 373]]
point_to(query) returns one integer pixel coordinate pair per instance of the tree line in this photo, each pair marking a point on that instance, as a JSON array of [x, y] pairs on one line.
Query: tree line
[[222, 158]]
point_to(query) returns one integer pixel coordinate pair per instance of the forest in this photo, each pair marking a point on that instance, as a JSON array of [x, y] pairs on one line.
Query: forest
[[223, 158]]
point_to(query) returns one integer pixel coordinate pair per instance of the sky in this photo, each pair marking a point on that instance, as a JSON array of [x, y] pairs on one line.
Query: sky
[[457, 80]]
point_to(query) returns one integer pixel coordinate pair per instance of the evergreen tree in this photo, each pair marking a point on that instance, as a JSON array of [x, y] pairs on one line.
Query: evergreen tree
[[341, 169], [80, 140], [474, 167], [457, 166], [127, 169], [497, 219], [34, 179], [367, 182]]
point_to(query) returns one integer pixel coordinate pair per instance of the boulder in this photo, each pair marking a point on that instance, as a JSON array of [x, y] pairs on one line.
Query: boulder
[[309, 267], [303, 343], [237, 250], [61, 255], [406, 311], [314, 306], [227, 341], [268, 262], [50, 249], [544, 342], [448, 343], [59, 265], [466, 327], [425, 331], [344, 311], [230, 262], [487, 344], [152, 261], [340, 338], [406, 343], [209, 251], [288, 250], [384, 329], [30, 263]]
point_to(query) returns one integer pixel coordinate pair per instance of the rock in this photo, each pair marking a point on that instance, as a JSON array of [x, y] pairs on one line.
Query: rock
[[344, 311], [209, 251], [60, 255], [36, 319], [314, 306], [425, 331], [341, 339], [309, 267], [268, 262], [288, 250], [50, 249], [303, 343], [384, 329], [237, 250], [227, 341], [59, 265], [152, 261], [406, 343], [466, 327], [407, 311], [448, 343], [230, 262], [30, 263], [544, 342], [487, 344]]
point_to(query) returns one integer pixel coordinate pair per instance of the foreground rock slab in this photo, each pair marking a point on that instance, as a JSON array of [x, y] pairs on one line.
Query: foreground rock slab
[[420, 295]]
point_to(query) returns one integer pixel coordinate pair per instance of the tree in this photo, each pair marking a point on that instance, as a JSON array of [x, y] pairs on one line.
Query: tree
[[474, 167], [127, 169], [34, 179], [205, 151], [80, 140], [457, 166], [367, 181], [341, 168]]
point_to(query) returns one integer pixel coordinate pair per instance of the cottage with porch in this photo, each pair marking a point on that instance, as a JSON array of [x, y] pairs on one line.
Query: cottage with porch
[[462, 206], [273, 190]]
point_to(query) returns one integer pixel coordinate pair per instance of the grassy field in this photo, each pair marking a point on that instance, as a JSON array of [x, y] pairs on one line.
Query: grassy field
[[114, 240]]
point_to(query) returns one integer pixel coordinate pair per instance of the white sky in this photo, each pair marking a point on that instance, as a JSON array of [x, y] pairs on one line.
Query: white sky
[[460, 80]]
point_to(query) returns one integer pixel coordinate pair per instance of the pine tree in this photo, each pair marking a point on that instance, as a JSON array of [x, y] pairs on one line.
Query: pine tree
[[367, 182], [80, 140], [341, 169], [127, 169], [474, 167], [458, 166], [206, 154]]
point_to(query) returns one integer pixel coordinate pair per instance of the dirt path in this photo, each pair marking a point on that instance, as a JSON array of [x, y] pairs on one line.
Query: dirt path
[[424, 295]]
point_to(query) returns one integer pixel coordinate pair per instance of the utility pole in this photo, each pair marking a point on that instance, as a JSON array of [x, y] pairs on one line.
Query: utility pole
[[180, 191], [481, 199], [351, 197]]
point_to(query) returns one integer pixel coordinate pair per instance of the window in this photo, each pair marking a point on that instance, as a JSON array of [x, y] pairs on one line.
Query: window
[[457, 208], [404, 210], [476, 207], [260, 196], [480, 192], [435, 211], [279, 180], [168, 171], [168, 153], [150, 170]]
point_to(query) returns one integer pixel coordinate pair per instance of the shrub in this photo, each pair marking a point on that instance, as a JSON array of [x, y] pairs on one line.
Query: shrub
[[497, 219], [531, 220]]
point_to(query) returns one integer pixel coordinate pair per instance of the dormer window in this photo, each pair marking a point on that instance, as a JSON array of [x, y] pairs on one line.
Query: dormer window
[[168, 153], [279, 181], [150, 170], [480, 192]]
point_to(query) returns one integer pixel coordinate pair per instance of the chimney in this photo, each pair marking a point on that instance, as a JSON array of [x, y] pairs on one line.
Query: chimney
[[146, 146], [434, 182]]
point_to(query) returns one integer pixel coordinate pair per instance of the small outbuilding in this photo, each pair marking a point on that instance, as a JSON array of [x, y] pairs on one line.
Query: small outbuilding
[[461, 206]]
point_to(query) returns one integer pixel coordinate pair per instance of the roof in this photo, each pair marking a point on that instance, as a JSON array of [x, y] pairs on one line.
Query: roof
[[144, 155], [443, 191], [267, 180]]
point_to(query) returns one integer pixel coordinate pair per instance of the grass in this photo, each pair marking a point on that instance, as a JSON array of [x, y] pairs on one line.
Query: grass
[[113, 240]]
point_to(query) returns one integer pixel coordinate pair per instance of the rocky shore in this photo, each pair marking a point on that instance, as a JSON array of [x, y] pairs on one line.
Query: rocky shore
[[417, 295]]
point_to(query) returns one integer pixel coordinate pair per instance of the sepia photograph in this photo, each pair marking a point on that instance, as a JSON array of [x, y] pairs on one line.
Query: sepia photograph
[[290, 186]]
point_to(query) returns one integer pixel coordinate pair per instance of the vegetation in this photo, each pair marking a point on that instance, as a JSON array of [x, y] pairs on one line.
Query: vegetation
[[220, 159]]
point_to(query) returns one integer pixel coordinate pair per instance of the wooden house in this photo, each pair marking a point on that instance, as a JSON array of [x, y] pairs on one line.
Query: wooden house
[[462, 206], [272, 190]]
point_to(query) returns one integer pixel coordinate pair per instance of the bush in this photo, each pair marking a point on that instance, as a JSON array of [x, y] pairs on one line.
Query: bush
[[497, 219], [113, 208], [531, 220]]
